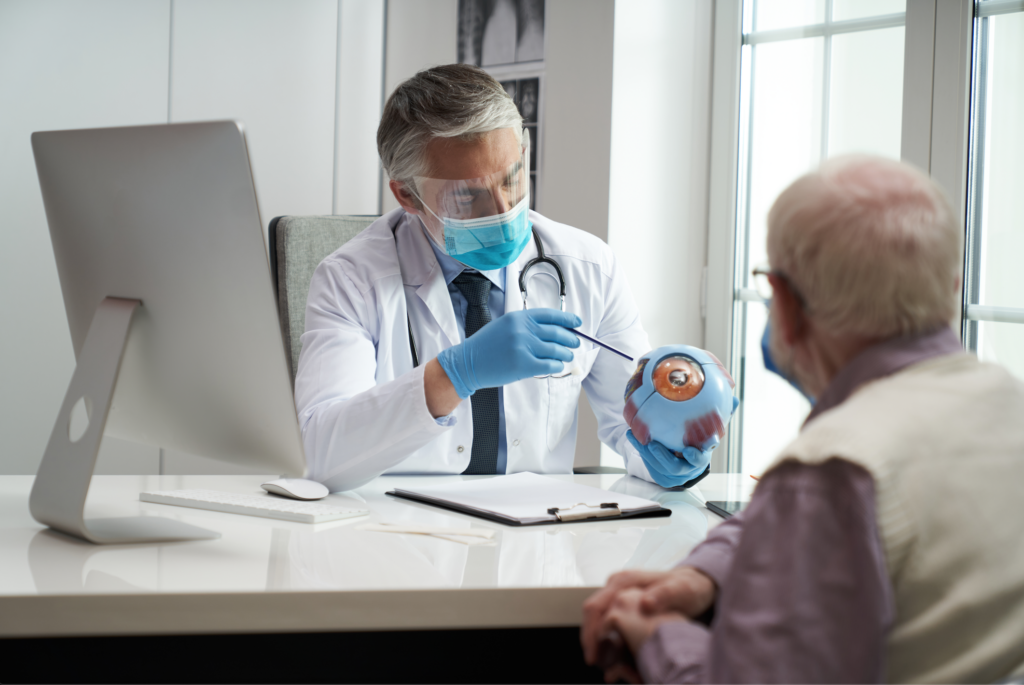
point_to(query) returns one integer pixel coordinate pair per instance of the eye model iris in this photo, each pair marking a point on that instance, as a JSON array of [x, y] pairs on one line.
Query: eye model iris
[[678, 378]]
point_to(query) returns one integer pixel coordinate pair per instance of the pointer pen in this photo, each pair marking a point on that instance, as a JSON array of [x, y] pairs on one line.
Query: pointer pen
[[604, 345]]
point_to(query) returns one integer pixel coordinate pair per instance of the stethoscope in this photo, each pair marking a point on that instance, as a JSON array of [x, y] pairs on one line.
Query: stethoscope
[[541, 258]]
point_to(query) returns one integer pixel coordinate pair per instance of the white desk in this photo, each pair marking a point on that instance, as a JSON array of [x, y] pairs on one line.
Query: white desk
[[273, 576]]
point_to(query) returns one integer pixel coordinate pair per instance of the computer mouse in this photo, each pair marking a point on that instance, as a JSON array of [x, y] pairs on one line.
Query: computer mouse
[[296, 488]]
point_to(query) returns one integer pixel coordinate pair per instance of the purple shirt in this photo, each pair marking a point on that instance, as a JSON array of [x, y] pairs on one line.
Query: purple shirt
[[803, 591]]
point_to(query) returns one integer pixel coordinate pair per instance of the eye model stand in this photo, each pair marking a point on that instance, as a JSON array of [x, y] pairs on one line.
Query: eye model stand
[[58, 495]]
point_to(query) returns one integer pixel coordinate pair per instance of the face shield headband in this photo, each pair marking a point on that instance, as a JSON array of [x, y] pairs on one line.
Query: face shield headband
[[485, 220]]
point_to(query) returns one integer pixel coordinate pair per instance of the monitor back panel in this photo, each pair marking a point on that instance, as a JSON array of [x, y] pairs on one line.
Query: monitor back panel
[[168, 215]]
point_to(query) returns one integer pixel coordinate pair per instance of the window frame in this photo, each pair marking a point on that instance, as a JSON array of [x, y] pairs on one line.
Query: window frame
[[938, 49]]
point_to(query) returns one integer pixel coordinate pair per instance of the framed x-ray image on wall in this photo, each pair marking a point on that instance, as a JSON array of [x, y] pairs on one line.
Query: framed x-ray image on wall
[[506, 38]]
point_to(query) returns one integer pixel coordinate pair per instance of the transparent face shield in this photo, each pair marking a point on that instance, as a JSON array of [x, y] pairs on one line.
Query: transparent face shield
[[483, 221]]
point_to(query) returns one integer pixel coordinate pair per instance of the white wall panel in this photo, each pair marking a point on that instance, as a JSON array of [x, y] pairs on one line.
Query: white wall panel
[[658, 189], [578, 114], [360, 84], [420, 35], [577, 141], [270, 64], [657, 221], [63, 64]]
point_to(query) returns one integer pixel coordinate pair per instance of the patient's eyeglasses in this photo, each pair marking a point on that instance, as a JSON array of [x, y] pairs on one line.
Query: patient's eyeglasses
[[763, 285]]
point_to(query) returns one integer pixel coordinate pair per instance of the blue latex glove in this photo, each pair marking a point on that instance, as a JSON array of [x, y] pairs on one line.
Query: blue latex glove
[[518, 345], [668, 470]]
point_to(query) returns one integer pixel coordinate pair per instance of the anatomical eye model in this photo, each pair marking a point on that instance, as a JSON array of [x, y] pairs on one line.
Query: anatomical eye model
[[680, 396]]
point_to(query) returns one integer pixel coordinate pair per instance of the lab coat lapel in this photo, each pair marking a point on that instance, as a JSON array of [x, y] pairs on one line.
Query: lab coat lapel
[[524, 400], [421, 272]]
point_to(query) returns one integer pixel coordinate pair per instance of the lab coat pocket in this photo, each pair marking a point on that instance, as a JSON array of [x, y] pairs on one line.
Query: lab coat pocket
[[564, 396]]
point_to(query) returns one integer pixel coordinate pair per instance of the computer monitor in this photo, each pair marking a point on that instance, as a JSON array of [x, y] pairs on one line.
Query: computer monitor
[[170, 303]]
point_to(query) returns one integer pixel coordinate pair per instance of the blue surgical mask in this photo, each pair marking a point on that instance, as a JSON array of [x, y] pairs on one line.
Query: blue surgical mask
[[770, 364], [490, 242]]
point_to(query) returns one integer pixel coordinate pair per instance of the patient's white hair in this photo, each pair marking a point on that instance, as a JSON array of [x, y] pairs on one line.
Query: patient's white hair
[[872, 246]]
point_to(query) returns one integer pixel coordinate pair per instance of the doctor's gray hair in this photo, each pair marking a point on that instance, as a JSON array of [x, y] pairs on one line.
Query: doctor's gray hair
[[872, 245], [450, 101]]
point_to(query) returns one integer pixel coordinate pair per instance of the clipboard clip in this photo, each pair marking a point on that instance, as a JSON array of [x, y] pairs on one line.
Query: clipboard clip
[[582, 510]]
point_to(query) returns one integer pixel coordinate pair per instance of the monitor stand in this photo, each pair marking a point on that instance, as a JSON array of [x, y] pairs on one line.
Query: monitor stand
[[62, 483]]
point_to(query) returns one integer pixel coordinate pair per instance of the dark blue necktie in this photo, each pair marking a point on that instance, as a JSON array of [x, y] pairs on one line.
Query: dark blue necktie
[[484, 402]]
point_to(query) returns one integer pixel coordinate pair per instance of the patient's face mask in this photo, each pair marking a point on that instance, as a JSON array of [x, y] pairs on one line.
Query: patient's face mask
[[485, 221], [779, 361]]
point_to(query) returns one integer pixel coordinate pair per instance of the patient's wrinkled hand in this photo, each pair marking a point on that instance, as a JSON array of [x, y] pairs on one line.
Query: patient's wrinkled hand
[[683, 591], [627, 622]]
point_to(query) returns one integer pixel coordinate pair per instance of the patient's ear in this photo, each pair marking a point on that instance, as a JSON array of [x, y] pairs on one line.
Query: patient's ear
[[790, 315]]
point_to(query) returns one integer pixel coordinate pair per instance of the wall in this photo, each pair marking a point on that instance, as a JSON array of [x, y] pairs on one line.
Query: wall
[[308, 106], [577, 141], [420, 35], [659, 162], [625, 155], [63, 64]]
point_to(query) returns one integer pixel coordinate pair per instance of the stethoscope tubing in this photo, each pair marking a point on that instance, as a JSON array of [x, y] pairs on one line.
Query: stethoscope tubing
[[542, 258]]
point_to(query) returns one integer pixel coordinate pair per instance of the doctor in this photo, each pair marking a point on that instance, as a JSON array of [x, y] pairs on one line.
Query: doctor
[[421, 353]]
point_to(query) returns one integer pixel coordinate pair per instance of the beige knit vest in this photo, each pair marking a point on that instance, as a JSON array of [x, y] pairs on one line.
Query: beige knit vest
[[944, 441]]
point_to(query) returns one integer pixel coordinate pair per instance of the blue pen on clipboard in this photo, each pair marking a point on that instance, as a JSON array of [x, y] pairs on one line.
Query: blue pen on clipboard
[[604, 345]]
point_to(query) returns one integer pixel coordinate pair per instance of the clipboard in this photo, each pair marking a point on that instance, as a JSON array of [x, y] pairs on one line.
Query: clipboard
[[529, 499]]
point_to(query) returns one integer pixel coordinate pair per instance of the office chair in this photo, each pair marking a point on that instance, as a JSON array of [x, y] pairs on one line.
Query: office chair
[[297, 246]]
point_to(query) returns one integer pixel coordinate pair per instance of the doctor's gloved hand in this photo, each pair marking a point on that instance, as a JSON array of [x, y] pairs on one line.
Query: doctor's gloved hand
[[668, 470], [529, 342]]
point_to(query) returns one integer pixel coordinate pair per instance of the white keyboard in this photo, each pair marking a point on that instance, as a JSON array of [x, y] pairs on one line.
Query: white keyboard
[[270, 506]]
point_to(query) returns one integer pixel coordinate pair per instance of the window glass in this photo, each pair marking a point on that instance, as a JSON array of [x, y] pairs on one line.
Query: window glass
[[996, 229], [1002, 343], [785, 138], [857, 9], [803, 99], [866, 94], [1002, 210], [773, 410], [780, 14]]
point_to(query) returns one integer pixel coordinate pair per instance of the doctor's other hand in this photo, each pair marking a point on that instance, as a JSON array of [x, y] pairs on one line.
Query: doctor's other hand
[[684, 590], [518, 345], [668, 468]]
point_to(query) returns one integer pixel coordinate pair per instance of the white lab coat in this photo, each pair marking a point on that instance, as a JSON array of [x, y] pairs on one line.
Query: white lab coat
[[361, 403]]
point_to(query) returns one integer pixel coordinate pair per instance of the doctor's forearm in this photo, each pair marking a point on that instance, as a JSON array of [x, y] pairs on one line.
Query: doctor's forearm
[[441, 396]]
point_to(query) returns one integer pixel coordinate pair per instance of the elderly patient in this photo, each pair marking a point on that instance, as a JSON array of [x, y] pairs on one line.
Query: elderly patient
[[884, 543]]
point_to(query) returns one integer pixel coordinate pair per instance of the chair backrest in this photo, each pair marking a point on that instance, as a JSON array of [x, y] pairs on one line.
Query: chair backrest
[[298, 245]]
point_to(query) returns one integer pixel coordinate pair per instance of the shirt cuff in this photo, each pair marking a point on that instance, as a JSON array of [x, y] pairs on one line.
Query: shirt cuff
[[635, 465], [677, 652], [712, 560], [446, 421]]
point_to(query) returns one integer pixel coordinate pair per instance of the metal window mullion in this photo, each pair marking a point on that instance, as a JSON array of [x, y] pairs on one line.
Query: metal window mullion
[[991, 8], [723, 191], [829, 28], [976, 182], [826, 82], [734, 458], [978, 312]]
